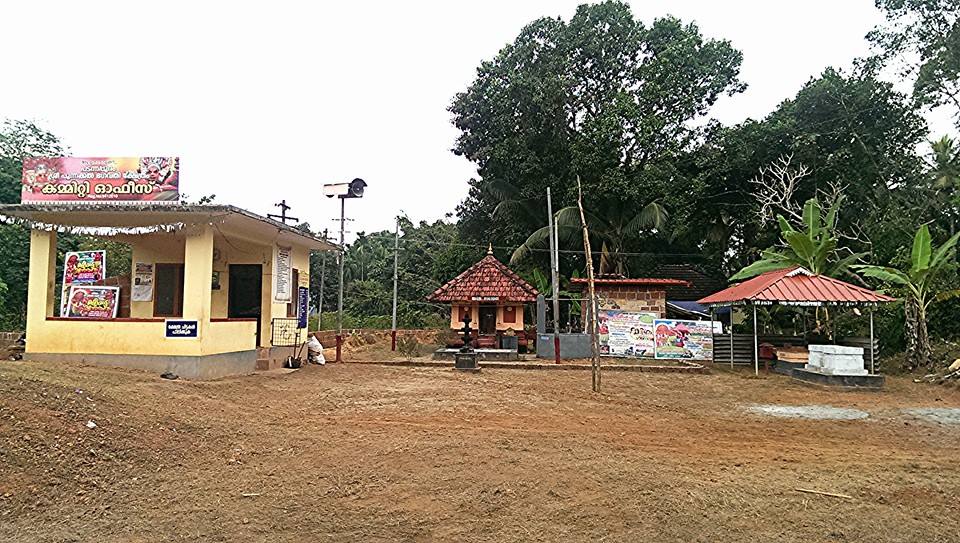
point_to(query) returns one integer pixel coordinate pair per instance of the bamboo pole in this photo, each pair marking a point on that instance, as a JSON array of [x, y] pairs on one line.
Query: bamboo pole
[[594, 331]]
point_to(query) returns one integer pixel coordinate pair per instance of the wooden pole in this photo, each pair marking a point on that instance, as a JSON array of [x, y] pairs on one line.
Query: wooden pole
[[594, 330]]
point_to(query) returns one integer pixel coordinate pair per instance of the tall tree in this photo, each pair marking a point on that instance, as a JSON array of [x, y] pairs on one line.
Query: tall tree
[[603, 96], [925, 36]]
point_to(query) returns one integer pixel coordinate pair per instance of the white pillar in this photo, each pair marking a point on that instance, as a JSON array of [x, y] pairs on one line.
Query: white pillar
[[756, 346], [41, 283]]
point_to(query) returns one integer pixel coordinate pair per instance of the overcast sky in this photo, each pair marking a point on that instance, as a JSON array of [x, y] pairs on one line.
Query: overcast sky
[[273, 100]]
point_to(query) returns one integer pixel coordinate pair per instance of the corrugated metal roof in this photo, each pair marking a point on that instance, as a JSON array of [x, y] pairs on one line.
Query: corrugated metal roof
[[794, 285]]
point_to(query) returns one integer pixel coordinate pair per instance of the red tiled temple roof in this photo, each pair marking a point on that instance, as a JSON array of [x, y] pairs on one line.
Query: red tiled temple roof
[[635, 282], [794, 285], [488, 279]]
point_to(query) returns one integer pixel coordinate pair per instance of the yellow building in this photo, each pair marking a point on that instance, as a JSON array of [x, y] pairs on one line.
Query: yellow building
[[228, 276]]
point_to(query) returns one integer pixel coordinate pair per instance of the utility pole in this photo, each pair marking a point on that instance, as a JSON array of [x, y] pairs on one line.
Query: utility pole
[[283, 213], [396, 252], [343, 253], [554, 278], [323, 273]]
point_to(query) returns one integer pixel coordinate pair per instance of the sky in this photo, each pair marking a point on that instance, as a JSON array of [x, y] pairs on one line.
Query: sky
[[267, 101]]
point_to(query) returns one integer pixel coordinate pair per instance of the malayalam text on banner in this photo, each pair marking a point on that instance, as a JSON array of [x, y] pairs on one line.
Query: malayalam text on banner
[[626, 333], [93, 302], [687, 340], [100, 179]]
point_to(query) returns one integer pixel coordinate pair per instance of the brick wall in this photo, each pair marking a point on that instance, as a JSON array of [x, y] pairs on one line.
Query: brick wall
[[631, 298]]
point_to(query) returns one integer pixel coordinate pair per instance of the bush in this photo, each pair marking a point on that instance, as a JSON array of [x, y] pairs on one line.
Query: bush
[[408, 346]]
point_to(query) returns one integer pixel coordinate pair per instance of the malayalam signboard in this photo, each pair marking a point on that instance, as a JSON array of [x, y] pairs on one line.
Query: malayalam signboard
[[81, 268], [626, 333], [303, 306], [283, 276], [181, 329], [100, 180], [93, 302], [687, 340]]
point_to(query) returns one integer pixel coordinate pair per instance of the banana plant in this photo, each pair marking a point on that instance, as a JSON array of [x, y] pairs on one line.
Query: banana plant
[[813, 245], [919, 281]]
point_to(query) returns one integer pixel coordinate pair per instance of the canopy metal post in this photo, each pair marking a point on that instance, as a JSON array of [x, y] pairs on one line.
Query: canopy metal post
[[731, 337], [872, 354], [756, 345], [713, 336]]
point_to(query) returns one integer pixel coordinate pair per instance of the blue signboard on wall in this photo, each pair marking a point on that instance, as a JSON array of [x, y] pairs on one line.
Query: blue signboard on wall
[[303, 304], [181, 329]]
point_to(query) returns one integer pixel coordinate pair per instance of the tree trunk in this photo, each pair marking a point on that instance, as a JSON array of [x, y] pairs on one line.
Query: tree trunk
[[918, 341]]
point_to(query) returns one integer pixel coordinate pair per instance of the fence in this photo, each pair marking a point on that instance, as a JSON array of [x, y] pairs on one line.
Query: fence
[[743, 345]]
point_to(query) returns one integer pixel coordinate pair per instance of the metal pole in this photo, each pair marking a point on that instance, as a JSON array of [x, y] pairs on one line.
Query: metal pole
[[323, 273], [872, 366], [343, 254], [396, 251], [713, 336], [731, 337], [554, 278], [756, 346]]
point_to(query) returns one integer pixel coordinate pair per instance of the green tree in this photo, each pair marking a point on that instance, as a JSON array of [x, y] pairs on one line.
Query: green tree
[[603, 96], [18, 139], [919, 279], [925, 36], [945, 177], [812, 246], [612, 223]]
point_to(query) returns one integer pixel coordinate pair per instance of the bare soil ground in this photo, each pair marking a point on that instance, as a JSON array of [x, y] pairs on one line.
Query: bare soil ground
[[357, 452]]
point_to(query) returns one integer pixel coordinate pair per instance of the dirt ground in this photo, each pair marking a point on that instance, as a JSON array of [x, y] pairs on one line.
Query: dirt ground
[[357, 452]]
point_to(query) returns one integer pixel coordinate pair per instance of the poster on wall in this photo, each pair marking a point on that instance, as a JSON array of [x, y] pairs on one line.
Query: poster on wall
[[282, 277], [303, 305], [687, 340], [100, 179], [93, 302], [142, 289], [81, 268], [626, 333]]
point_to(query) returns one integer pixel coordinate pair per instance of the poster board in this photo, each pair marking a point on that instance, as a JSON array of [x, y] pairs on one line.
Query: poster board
[[626, 333], [118, 180], [303, 306], [142, 288], [282, 275], [93, 302], [81, 268], [683, 340]]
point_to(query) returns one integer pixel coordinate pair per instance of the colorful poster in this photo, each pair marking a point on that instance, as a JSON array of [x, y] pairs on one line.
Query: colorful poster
[[626, 333], [101, 179], [282, 276], [142, 290], [81, 268], [93, 302], [688, 340]]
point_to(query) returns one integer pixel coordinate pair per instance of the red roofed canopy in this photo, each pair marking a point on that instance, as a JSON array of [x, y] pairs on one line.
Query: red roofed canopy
[[794, 286], [487, 280]]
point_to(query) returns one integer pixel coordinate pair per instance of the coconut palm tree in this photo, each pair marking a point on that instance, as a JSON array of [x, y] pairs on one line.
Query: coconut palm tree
[[945, 174], [613, 223]]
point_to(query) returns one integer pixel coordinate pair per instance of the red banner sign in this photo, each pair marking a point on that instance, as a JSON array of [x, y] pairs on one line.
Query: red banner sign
[[93, 302], [102, 180]]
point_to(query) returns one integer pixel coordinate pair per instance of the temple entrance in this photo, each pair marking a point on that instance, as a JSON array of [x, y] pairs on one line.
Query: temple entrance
[[488, 319], [244, 292]]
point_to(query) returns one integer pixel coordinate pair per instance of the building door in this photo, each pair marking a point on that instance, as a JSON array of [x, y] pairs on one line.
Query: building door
[[488, 319], [245, 289]]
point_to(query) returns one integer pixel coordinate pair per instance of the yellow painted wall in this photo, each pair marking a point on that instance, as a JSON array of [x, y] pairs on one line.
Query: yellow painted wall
[[194, 248], [456, 323]]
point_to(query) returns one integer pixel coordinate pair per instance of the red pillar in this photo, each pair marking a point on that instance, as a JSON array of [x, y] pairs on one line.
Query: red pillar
[[393, 340], [339, 343], [556, 349]]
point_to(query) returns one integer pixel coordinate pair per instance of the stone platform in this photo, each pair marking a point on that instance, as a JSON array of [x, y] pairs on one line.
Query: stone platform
[[868, 382], [506, 355]]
